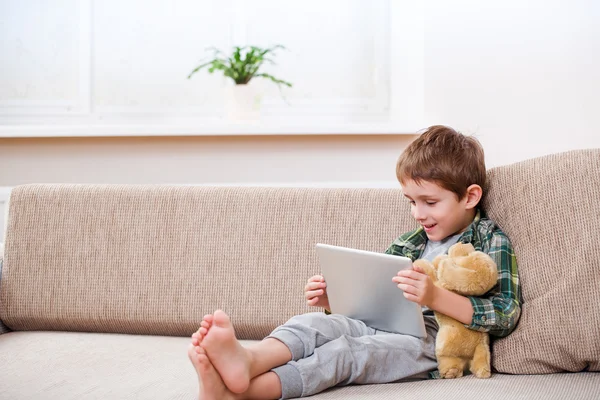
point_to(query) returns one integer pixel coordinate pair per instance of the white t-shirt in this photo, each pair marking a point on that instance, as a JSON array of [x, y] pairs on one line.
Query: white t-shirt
[[434, 249]]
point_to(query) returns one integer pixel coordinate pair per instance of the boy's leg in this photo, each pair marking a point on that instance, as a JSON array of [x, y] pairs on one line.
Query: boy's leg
[[303, 333], [210, 384], [212, 387], [296, 339], [379, 358], [264, 387], [237, 364]]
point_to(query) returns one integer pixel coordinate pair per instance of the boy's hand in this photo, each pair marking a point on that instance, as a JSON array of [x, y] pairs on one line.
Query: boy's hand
[[417, 286], [315, 292]]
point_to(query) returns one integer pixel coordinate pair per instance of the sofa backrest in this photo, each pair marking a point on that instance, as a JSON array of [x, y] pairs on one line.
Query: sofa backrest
[[549, 207], [155, 259]]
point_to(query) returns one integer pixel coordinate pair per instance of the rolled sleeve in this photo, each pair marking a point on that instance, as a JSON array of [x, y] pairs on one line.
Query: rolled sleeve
[[497, 315], [498, 312]]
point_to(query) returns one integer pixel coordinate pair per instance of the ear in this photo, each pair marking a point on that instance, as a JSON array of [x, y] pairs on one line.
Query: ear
[[474, 193], [460, 250]]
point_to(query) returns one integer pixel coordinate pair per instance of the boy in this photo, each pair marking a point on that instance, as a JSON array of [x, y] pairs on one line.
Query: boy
[[442, 175]]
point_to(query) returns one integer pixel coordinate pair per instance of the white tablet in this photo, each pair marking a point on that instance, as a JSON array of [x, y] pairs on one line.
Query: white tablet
[[359, 286]]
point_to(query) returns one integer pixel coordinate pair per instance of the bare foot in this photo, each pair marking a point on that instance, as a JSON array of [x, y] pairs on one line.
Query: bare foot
[[210, 383], [202, 330], [230, 359]]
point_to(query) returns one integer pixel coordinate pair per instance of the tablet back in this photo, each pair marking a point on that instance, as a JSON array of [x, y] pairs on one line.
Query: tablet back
[[359, 286]]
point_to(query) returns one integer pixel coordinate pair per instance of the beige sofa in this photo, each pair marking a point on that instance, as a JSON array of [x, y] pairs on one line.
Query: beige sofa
[[103, 284]]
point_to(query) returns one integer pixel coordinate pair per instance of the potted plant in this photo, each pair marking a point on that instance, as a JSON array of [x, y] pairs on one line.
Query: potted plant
[[244, 64]]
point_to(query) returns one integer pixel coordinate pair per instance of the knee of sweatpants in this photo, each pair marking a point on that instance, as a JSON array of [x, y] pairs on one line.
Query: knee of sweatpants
[[313, 319]]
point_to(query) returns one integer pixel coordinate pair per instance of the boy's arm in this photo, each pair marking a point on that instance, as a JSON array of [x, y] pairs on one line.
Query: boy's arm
[[498, 312], [453, 305]]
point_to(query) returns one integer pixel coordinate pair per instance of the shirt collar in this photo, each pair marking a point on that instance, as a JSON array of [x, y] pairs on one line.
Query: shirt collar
[[471, 234]]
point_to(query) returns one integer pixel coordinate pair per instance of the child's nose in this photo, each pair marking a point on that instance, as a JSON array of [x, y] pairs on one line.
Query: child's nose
[[418, 213]]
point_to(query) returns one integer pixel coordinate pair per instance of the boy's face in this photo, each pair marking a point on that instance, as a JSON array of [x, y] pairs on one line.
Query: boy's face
[[437, 209]]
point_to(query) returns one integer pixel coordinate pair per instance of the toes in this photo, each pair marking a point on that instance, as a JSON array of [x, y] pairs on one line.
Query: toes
[[204, 324], [192, 353], [221, 319], [203, 331], [202, 357], [208, 318]]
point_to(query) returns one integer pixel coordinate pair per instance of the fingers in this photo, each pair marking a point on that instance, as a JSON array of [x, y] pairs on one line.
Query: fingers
[[412, 274], [314, 294], [411, 293], [417, 268], [409, 285], [315, 286], [407, 281], [413, 290], [411, 297], [313, 301]]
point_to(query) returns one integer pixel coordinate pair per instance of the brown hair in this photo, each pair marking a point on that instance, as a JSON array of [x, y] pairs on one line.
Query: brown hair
[[446, 157]]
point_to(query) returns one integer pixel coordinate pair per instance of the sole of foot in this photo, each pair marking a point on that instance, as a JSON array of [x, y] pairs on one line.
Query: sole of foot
[[226, 354]]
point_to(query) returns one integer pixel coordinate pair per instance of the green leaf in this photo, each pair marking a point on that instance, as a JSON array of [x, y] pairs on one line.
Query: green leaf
[[198, 68], [275, 80], [243, 64]]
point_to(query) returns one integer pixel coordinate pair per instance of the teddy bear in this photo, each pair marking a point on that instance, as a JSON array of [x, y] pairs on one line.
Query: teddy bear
[[468, 273]]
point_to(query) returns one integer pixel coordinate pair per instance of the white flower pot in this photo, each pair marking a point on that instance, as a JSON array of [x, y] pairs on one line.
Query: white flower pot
[[242, 103]]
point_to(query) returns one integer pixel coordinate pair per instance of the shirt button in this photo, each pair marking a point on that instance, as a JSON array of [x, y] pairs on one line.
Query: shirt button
[[483, 318]]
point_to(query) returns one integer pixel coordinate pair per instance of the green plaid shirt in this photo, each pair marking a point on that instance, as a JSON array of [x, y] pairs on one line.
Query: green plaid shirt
[[498, 311]]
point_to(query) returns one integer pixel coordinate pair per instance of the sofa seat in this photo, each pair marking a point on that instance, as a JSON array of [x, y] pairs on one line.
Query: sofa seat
[[71, 365]]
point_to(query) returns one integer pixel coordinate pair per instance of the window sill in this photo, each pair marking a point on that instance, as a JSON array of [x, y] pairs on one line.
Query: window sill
[[230, 129]]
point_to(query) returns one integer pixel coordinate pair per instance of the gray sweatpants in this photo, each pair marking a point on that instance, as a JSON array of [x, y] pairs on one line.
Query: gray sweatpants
[[333, 350]]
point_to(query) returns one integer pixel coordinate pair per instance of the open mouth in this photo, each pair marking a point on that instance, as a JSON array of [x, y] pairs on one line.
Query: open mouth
[[429, 227]]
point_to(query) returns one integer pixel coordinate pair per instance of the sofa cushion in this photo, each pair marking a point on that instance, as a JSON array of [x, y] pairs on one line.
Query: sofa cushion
[[69, 365], [549, 208], [154, 259]]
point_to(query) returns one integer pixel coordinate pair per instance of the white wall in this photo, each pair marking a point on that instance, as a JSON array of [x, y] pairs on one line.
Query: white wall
[[340, 160], [524, 76]]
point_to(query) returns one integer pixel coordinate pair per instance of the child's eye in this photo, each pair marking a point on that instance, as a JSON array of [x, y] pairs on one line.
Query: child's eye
[[412, 202], [431, 202]]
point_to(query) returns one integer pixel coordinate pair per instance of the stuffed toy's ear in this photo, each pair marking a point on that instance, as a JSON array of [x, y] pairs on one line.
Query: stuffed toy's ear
[[460, 249]]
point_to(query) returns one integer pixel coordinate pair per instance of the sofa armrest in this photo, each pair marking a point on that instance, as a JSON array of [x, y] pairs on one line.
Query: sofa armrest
[[3, 328]]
